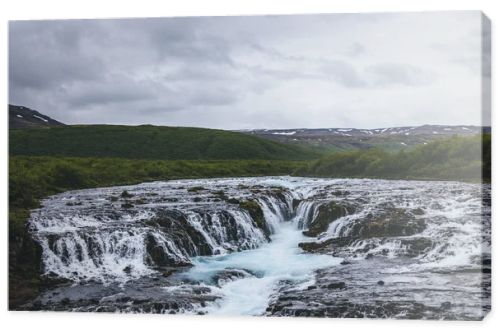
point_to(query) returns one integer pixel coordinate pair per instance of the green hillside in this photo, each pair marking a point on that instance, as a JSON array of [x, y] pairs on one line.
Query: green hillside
[[149, 142], [456, 158]]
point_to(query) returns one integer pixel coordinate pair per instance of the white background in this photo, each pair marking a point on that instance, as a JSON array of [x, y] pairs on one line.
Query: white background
[[22, 322]]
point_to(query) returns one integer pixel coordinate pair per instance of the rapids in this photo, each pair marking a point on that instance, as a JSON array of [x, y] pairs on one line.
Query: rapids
[[269, 246], [279, 260]]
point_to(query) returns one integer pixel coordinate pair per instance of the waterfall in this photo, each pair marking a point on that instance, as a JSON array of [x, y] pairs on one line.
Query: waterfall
[[265, 245], [108, 237], [102, 239]]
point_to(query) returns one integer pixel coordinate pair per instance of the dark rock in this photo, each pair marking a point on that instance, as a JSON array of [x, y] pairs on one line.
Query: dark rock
[[325, 246], [418, 211], [127, 205], [416, 246], [65, 301], [233, 201], [168, 272], [51, 280], [126, 194], [391, 222], [326, 214], [345, 262], [220, 194], [340, 193], [446, 305], [255, 211], [336, 285], [195, 189], [230, 275], [159, 257], [201, 290], [140, 201], [380, 282]]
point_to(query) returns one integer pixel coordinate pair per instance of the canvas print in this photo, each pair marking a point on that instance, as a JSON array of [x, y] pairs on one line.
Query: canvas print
[[329, 165]]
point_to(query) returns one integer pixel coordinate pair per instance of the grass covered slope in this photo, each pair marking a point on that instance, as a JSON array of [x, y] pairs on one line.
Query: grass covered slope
[[456, 158], [149, 142]]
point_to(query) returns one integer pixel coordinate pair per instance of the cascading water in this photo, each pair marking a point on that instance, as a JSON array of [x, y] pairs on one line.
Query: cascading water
[[270, 245], [265, 268]]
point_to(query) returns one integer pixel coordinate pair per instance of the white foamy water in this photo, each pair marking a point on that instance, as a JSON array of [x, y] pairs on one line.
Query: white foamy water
[[247, 260], [272, 263]]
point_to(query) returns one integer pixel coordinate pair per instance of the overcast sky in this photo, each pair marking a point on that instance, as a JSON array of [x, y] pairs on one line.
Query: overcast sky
[[341, 70]]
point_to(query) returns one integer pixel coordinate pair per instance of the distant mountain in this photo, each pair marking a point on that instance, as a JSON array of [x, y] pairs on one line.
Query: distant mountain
[[344, 139], [150, 142], [21, 117]]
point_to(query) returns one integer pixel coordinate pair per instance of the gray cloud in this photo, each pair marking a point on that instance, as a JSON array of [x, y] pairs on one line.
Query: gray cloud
[[387, 74], [235, 72]]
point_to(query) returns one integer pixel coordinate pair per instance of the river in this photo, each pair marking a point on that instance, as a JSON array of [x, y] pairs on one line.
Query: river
[[281, 246]]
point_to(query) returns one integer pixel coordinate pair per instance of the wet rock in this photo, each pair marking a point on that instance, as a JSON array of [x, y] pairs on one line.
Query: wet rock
[[160, 257], [140, 201], [416, 246], [220, 194], [340, 193], [65, 301], [336, 285], [233, 201], [418, 211], [228, 275], [195, 189], [446, 305], [325, 246], [255, 211], [168, 272], [390, 222], [326, 214], [51, 280], [295, 203], [380, 283], [201, 290], [126, 194]]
